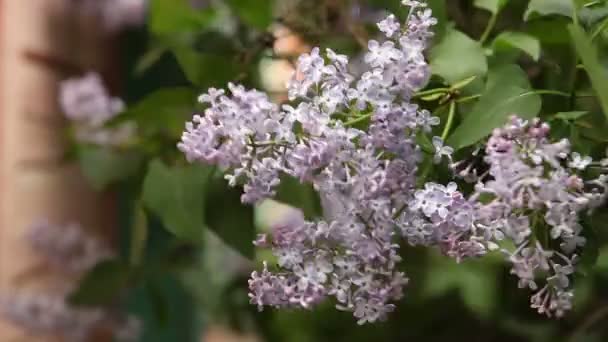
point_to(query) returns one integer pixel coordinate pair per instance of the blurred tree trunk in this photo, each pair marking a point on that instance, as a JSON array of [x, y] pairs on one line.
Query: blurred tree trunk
[[41, 43]]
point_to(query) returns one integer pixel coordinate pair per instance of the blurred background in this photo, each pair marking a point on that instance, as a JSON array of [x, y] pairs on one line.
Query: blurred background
[[68, 206]]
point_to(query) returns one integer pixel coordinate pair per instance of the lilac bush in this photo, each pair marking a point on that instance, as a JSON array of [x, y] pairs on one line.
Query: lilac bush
[[354, 138]]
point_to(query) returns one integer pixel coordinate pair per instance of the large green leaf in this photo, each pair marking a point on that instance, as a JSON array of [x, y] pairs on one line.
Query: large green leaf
[[102, 284], [596, 71], [508, 40], [177, 16], [164, 110], [493, 6], [505, 95], [103, 166], [205, 69], [231, 220], [177, 196], [458, 57], [258, 13], [549, 7]]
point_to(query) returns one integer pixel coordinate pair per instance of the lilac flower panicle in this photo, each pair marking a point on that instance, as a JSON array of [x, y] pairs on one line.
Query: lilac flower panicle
[[351, 257], [50, 315], [367, 181], [67, 247], [536, 200], [115, 15], [87, 104]]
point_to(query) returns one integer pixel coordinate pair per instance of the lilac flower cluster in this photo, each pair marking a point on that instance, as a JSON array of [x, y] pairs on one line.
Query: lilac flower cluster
[[50, 315], [45, 314], [533, 195], [87, 104], [354, 139], [115, 15], [367, 175], [67, 249]]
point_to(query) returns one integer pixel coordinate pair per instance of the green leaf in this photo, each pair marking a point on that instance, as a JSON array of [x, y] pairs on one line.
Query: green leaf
[[103, 166], [504, 97], [258, 13], [570, 116], [204, 69], [548, 7], [475, 281], [165, 110], [301, 196], [102, 284], [517, 40], [440, 13], [177, 196], [149, 58], [458, 57], [231, 220], [589, 56], [177, 16], [493, 6]]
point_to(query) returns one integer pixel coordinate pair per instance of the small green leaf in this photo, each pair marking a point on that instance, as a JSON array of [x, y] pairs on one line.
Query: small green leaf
[[101, 285], [458, 57], [149, 58], [505, 95], [177, 16], [570, 116], [517, 40], [301, 196], [493, 6], [103, 166], [205, 69], [463, 83], [548, 7], [596, 71], [177, 196], [258, 13], [231, 220]]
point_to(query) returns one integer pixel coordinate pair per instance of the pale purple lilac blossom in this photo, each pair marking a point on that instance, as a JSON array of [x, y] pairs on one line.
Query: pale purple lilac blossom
[[71, 250], [115, 15], [67, 247], [87, 104], [369, 177], [533, 195], [352, 257]]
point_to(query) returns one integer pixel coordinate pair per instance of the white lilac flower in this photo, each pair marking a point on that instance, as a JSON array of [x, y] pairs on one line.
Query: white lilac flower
[[441, 150], [389, 26], [578, 162]]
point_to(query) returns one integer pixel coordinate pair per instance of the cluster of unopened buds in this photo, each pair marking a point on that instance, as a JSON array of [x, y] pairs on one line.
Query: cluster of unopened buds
[[70, 250], [86, 103], [353, 137]]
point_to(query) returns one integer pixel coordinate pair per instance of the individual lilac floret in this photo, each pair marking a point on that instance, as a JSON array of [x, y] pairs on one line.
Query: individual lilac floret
[[87, 104], [67, 247]]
